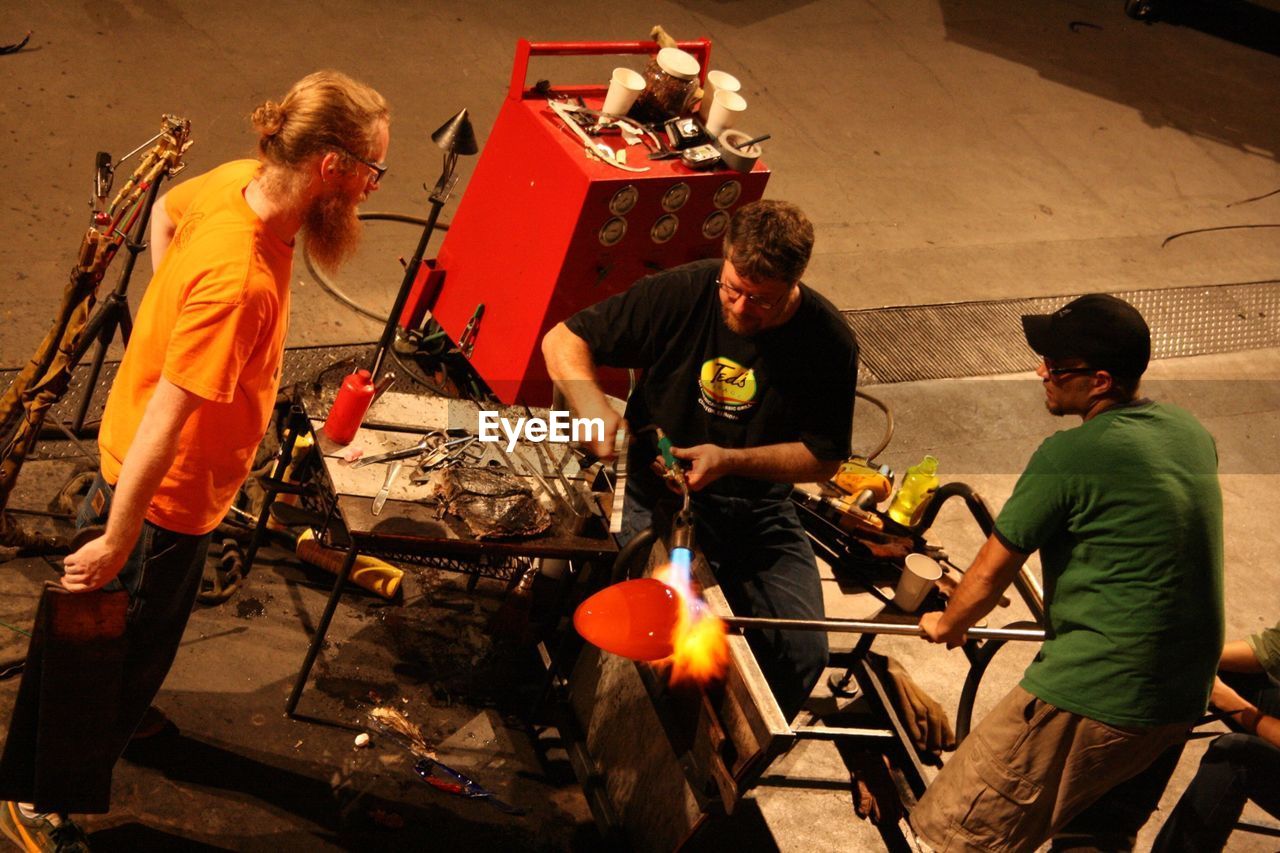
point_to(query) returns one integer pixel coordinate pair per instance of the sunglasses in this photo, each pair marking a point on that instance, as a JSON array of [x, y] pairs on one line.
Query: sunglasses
[[1055, 372]]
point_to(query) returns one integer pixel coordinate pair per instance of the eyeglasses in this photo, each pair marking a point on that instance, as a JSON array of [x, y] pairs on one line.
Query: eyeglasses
[[752, 300], [378, 169]]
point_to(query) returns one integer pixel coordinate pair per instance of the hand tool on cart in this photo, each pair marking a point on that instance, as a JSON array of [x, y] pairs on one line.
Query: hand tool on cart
[[579, 509], [380, 499], [436, 452], [446, 456], [525, 469], [426, 443]]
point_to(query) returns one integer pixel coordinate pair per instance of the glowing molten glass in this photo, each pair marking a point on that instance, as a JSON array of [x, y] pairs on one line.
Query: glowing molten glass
[[636, 619], [657, 619]]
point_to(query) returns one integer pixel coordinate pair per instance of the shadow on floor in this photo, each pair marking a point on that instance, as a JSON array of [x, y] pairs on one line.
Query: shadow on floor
[[1172, 80]]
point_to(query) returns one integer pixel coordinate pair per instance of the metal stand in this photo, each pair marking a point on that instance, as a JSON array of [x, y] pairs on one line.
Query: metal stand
[[455, 137], [275, 484], [321, 629], [113, 313]]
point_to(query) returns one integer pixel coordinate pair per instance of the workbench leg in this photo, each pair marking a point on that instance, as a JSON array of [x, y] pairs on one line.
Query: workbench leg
[[293, 428], [321, 629]]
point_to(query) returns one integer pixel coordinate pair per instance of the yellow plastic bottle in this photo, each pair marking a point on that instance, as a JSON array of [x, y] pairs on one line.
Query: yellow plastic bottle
[[913, 496]]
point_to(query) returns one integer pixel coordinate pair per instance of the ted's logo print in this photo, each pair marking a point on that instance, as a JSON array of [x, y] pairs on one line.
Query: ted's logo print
[[727, 388]]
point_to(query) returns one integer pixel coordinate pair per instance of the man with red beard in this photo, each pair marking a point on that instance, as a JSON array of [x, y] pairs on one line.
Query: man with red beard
[[195, 391], [752, 375]]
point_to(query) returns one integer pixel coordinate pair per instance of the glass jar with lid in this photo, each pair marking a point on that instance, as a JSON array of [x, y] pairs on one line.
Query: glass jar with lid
[[670, 80]]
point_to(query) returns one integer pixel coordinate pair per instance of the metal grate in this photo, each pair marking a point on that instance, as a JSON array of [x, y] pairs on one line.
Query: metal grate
[[914, 342], [301, 364]]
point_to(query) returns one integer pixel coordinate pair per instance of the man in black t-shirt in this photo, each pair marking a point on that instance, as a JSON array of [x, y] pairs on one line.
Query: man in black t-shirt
[[752, 375]]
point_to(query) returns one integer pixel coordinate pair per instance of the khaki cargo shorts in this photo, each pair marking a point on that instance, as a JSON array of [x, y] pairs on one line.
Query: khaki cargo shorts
[[1026, 770]]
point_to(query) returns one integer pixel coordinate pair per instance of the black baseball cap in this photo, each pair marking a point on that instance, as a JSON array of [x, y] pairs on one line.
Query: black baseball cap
[[1107, 332]]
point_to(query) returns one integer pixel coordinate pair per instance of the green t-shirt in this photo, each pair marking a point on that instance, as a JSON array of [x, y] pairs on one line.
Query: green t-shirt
[[1266, 648], [1126, 512]]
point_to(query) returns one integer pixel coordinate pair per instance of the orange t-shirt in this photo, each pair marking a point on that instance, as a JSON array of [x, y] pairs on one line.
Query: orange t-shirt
[[212, 322]]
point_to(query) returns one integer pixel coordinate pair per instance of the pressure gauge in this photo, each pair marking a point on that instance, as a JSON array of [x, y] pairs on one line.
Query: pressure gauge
[[623, 200], [713, 226], [612, 231], [664, 229], [674, 198], [727, 194]]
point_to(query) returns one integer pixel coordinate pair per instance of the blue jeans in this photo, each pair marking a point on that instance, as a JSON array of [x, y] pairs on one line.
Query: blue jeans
[[761, 557], [1235, 768]]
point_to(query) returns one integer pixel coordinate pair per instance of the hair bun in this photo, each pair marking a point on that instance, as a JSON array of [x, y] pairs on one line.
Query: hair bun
[[268, 119]]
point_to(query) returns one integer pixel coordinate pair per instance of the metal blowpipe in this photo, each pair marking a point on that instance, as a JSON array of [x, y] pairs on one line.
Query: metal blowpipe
[[849, 626]]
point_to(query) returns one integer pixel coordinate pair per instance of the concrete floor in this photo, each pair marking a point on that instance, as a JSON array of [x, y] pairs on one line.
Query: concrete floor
[[946, 150]]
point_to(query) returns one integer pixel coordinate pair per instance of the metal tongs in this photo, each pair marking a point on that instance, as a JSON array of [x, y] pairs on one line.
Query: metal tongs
[[447, 455]]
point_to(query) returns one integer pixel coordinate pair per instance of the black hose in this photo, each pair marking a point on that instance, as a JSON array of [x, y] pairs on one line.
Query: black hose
[[640, 544], [13, 666], [979, 658], [1172, 237], [333, 290], [977, 507]]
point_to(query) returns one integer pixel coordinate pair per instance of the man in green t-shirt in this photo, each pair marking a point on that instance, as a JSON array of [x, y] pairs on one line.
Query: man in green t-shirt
[[1126, 512]]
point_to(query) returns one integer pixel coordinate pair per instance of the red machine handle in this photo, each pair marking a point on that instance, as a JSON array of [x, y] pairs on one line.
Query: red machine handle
[[700, 48]]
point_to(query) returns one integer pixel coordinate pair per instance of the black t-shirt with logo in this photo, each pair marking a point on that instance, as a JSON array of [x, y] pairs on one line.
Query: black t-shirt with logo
[[705, 384]]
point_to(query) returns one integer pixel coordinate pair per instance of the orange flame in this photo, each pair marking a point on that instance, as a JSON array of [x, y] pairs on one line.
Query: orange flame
[[699, 639]]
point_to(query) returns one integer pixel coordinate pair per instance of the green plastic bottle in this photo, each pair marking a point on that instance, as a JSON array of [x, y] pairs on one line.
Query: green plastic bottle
[[913, 496]]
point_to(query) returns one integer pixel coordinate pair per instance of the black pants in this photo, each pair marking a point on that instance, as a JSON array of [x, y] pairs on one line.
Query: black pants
[[1231, 770], [1236, 768], [161, 577]]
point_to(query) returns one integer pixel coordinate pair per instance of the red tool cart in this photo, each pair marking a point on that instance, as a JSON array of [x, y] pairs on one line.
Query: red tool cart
[[544, 230]]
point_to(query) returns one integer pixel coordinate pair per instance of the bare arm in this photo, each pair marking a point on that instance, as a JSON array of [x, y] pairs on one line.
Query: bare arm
[[573, 370], [1238, 656], [1251, 719], [149, 457], [778, 463], [992, 571], [162, 231]]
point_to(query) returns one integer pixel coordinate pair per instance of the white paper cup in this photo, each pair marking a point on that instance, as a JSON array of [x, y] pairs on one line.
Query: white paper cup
[[919, 576], [624, 87], [726, 107], [716, 81]]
